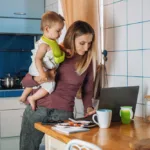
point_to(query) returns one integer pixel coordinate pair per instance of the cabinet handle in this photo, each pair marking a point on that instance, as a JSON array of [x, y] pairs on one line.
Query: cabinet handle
[[19, 13]]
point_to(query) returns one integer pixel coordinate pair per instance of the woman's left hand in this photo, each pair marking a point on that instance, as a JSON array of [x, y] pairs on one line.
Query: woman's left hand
[[90, 111]]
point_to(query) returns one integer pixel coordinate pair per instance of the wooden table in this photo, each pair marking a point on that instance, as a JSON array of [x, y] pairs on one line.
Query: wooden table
[[117, 137]]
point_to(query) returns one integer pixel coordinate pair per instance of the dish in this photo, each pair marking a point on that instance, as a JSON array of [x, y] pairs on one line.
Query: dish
[[66, 125], [62, 125], [91, 125], [80, 121]]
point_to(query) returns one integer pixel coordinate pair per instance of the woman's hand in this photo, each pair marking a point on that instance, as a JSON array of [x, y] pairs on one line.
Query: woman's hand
[[43, 77], [90, 111], [38, 80]]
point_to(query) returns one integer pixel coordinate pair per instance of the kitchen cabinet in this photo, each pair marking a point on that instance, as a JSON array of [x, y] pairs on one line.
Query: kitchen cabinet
[[13, 144], [11, 112], [12, 125], [20, 26], [9, 143], [22, 16], [53, 144], [22, 8]]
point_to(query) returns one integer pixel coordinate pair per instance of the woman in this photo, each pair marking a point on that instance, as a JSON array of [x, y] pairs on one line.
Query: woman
[[73, 72]]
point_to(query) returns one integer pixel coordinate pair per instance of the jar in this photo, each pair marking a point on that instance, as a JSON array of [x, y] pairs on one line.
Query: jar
[[147, 108]]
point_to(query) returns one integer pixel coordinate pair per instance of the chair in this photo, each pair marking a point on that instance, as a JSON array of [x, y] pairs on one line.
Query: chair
[[143, 144], [76, 144]]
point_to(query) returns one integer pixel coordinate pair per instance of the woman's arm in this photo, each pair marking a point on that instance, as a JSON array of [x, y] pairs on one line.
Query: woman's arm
[[87, 90], [91, 112], [28, 81]]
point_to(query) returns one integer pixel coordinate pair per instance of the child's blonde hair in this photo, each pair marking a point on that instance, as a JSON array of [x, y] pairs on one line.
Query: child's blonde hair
[[49, 18]]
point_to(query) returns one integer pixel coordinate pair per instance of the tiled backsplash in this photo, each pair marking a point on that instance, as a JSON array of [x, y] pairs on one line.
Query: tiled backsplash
[[15, 52], [15, 58], [127, 28]]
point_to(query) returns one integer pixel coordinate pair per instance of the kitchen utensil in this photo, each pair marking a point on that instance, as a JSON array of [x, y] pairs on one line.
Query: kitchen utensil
[[126, 114], [8, 82], [103, 118]]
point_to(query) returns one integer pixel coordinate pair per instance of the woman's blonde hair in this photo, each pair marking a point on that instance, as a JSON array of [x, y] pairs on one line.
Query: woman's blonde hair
[[50, 18], [77, 29]]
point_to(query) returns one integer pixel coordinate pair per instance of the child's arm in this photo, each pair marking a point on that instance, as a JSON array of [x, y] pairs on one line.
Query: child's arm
[[68, 51], [62, 47], [39, 61]]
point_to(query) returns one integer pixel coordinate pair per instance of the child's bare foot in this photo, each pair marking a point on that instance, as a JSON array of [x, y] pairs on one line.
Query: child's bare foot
[[22, 99], [32, 102]]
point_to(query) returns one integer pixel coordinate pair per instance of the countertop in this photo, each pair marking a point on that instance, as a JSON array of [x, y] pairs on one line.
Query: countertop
[[117, 137], [4, 93]]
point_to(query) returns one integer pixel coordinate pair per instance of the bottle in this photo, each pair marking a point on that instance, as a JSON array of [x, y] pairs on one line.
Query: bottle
[[147, 108]]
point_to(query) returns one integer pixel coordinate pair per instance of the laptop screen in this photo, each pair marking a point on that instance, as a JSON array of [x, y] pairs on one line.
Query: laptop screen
[[115, 97]]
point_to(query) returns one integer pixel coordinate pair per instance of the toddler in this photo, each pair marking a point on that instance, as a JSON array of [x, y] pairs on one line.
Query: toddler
[[46, 55]]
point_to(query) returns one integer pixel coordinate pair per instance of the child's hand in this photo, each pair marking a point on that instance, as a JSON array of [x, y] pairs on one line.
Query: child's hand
[[69, 51]]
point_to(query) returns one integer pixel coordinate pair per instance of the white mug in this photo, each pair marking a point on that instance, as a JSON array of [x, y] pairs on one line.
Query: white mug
[[104, 118]]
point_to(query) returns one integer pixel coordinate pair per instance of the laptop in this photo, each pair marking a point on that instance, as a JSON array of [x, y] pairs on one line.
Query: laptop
[[115, 97]]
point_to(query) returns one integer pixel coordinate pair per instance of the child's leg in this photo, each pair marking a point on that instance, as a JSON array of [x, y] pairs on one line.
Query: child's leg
[[39, 94], [25, 94]]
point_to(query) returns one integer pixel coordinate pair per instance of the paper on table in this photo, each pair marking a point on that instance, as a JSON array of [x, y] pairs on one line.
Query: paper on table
[[80, 121], [69, 130]]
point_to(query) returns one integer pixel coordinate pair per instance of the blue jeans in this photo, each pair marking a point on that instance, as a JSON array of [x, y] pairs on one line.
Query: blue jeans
[[30, 138]]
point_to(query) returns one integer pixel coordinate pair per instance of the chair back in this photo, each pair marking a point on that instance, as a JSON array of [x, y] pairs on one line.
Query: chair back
[[76, 144]]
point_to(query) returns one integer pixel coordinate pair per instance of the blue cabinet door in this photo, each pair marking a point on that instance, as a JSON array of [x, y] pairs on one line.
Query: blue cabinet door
[[21, 26], [22, 8]]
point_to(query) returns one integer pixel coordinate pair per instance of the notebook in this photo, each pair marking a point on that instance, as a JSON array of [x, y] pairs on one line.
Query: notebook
[[115, 97], [69, 130]]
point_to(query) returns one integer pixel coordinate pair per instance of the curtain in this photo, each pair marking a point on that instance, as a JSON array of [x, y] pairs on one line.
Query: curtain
[[86, 10], [89, 11]]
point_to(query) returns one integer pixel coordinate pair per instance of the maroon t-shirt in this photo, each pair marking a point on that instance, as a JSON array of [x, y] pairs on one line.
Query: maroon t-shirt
[[67, 84]]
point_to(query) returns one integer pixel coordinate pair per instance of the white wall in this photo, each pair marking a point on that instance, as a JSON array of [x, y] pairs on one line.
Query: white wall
[[127, 38], [51, 5], [55, 5]]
